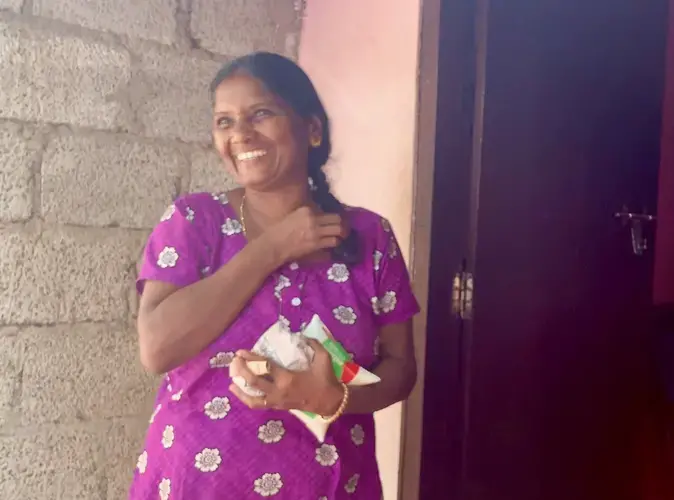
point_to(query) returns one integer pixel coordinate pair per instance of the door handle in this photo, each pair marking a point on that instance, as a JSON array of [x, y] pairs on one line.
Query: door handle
[[636, 222]]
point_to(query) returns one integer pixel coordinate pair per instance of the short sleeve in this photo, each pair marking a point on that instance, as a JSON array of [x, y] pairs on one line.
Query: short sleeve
[[175, 252], [394, 301]]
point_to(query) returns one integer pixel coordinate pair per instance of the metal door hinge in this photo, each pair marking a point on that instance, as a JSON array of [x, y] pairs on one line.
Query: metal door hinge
[[462, 295]]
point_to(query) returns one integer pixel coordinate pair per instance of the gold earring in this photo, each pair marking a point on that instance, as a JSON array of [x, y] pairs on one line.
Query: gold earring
[[315, 142]]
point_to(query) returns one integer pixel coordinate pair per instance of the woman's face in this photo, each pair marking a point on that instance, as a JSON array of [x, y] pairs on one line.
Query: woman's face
[[262, 141]]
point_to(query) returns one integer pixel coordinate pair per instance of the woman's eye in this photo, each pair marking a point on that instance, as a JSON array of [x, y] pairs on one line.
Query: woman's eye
[[262, 113], [223, 122]]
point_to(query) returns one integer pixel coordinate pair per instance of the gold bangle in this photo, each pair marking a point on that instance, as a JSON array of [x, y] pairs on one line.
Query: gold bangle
[[342, 406]]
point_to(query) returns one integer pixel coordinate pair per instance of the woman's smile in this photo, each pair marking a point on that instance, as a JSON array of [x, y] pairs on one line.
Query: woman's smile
[[250, 155]]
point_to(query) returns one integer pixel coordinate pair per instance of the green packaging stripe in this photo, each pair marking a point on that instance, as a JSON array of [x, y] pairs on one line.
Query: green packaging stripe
[[336, 351]]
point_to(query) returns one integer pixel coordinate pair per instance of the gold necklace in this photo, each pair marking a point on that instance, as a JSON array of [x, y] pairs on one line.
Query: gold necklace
[[241, 216]]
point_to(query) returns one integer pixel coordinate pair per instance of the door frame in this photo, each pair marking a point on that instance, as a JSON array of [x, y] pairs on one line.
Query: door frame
[[420, 252]]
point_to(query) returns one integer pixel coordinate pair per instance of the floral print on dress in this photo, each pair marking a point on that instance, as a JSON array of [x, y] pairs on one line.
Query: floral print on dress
[[387, 303], [177, 396], [165, 489], [141, 464], [168, 257], [357, 435], [217, 408], [376, 308], [168, 213], [268, 485], [231, 227], [271, 432], [154, 413], [338, 273], [392, 248], [283, 282], [386, 225], [327, 455], [376, 259], [346, 315], [208, 460], [221, 198], [168, 436], [221, 360], [352, 484], [384, 304], [189, 214]]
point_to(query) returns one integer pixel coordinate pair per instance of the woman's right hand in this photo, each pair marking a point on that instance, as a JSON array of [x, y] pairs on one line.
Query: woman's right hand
[[304, 232]]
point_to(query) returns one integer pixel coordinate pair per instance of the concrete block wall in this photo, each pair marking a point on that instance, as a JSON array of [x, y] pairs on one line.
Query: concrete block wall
[[104, 119]]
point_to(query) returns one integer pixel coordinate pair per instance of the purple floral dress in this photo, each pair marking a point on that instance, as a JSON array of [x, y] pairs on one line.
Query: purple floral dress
[[203, 443]]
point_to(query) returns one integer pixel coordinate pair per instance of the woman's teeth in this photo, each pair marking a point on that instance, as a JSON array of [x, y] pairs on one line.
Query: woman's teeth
[[250, 155]]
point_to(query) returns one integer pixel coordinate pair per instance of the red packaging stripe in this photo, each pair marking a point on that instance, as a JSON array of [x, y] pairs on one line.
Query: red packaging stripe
[[349, 372]]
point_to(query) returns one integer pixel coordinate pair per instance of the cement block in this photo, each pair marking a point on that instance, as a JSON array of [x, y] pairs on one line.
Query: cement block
[[91, 461], [50, 77], [52, 463], [66, 274], [70, 485], [13, 5], [236, 27], [150, 19], [208, 173], [119, 478], [48, 450], [124, 442], [17, 155], [170, 93], [10, 361], [105, 179], [96, 365]]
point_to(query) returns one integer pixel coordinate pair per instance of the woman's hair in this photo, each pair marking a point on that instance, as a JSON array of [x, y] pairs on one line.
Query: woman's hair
[[288, 81]]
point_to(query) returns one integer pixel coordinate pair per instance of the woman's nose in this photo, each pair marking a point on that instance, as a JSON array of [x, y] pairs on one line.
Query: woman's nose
[[241, 131]]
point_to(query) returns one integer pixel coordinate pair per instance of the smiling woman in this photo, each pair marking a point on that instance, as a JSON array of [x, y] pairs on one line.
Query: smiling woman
[[280, 103], [220, 269]]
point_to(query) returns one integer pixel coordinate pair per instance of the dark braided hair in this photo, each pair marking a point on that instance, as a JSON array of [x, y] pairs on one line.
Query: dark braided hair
[[282, 77]]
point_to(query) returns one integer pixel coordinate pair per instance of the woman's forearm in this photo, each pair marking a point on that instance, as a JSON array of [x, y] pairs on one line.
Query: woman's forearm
[[190, 318], [398, 377]]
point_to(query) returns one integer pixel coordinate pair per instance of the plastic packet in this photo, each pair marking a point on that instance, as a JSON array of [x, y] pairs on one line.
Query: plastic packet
[[291, 351]]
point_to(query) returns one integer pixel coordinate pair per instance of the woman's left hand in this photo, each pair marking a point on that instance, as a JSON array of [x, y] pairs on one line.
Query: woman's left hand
[[316, 390]]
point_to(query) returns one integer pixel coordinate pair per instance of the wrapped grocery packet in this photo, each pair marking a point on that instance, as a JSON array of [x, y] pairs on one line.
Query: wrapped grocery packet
[[346, 370], [291, 351], [286, 349]]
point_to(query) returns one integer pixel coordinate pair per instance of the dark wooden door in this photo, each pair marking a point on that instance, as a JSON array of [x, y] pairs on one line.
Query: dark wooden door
[[547, 386]]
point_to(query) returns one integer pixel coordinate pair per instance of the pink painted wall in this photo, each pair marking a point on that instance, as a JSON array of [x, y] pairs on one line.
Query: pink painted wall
[[363, 57]]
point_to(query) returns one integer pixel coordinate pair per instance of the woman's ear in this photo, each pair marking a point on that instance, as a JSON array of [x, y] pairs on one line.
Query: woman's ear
[[315, 130]]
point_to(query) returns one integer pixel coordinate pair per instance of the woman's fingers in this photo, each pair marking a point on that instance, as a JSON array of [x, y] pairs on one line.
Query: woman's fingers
[[240, 368], [249, 356], [329, 220], [318, 348], [254, 402], [263, 375]]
